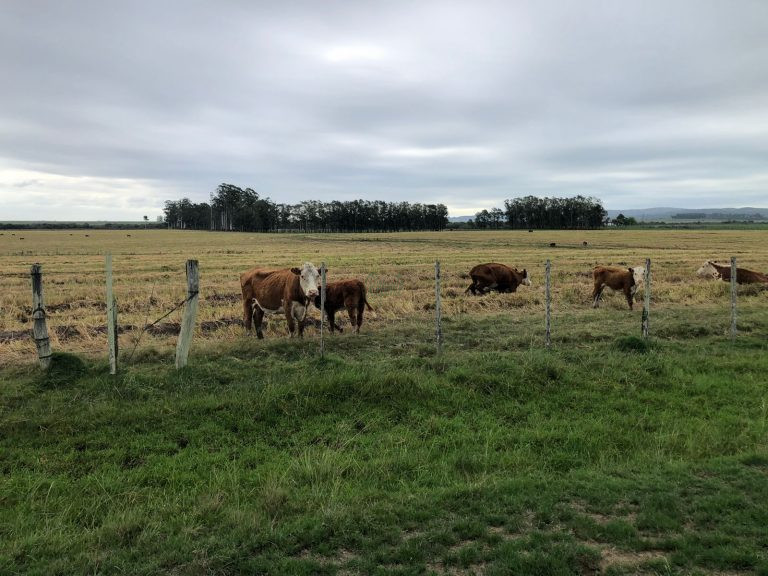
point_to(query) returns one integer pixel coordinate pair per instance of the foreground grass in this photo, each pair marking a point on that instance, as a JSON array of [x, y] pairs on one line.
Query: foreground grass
[[607, 456]]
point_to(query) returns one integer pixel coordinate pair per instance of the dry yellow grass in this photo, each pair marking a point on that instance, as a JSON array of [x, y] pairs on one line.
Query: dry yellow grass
[[397, 268]]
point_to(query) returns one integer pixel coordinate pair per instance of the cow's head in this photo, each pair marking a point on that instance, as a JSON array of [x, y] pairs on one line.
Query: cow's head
[[525, 281], [309, 278], [638, 275], [707, 270]]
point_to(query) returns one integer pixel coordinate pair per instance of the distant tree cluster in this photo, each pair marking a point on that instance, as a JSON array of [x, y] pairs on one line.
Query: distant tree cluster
[[534, 212], [242, 209]]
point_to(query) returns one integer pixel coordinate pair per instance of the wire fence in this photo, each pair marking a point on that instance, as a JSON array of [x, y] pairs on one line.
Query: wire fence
[[428, 293]]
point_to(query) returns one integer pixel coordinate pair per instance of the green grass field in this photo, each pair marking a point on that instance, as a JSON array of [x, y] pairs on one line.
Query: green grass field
[[606, 454]]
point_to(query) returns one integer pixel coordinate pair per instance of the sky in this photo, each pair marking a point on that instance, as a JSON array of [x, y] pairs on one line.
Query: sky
[[108, 109]]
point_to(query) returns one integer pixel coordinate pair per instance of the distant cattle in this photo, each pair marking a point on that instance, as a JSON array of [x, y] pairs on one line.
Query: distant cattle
[[349, 294], [288, 291], [624, 279], [495, 276], [743, 276]]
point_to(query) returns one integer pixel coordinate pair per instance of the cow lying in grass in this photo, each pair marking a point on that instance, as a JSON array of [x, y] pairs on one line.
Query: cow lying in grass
[[624, 279], [349, 294], [743, 276], [278, 291], [494, 276]]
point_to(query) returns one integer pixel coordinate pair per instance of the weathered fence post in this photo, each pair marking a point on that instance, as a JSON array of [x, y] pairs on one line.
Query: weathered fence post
[[549, 316], [40, 329], [322, 307], [734, 292], [646, 297], [438, 321], [111, 319], [190, 313]]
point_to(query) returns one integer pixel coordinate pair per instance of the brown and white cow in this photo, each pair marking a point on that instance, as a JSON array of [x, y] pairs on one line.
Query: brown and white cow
[[349, 294], [743, 276], [495, 276], [288, 292], [614, 278]]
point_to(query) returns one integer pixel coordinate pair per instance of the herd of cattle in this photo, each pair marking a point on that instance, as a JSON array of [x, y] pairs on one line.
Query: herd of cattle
[[290, 291]]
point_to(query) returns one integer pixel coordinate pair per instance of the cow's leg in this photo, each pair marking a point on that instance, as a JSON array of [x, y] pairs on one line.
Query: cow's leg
[[289, 317], [352, 313], [360, 310], [596, 293], [630, 296], [258, 319], [247, 314]]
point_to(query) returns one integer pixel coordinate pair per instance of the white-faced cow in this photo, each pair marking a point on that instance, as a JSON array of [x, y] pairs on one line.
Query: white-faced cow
[[495, 276], [615, 278], [287, 291], [349, 294], [743, 276]]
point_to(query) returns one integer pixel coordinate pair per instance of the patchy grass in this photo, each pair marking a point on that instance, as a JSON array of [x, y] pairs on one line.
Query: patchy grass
[[497, 457]]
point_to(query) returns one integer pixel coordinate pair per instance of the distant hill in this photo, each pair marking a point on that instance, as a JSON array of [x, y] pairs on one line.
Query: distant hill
[[678, 214], [460, 218]]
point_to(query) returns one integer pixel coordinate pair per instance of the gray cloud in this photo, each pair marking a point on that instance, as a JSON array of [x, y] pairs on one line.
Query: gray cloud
[[119, 106]]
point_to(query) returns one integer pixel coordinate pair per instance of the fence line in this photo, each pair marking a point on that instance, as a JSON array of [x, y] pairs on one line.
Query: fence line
[[438, 320], [190, 313], [548, 321], [646, 298], [111, 319]]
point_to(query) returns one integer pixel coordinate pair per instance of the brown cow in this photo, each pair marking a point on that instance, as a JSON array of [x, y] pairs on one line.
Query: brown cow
[[494, 276], [743, 276], [616, 279], [349, 294], [278, 291]]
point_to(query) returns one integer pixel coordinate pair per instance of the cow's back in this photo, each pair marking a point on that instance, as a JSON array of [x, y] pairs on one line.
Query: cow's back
[[268, 287]]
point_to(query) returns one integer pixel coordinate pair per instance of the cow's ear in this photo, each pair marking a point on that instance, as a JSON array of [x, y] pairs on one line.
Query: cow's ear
[[296, 271], [525, 272]]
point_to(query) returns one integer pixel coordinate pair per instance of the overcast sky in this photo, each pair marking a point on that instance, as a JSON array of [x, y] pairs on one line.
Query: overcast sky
[[108, 108]]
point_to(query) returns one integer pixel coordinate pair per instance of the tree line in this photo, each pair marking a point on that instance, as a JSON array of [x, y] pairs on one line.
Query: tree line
[[553, 213], [243, 209]]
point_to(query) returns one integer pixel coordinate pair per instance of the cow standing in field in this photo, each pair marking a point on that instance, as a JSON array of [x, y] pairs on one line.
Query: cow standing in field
[[349, 294], [616, 279], [494, 276], [743, 276], [287, 291]]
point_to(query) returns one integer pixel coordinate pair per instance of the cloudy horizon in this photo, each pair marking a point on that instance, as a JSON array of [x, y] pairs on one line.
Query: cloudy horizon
[[109, 109]]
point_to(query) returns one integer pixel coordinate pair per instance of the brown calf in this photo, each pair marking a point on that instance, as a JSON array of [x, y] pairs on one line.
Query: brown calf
[[743, 276], [616, 279], [494, 276], [278, 291], [349, 294]]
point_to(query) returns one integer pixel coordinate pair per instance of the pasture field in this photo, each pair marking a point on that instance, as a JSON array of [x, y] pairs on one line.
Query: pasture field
[[606, 454], [397, 268]]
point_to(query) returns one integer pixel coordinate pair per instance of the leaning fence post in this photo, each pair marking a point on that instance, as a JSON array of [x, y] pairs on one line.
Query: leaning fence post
[[438, 325], [647, 297], [549, 316], [190, 313], [322, 307], [734, 292], [40, 329], [111, 319]]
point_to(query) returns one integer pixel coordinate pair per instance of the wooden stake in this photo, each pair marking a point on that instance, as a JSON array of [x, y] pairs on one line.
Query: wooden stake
[[549, 315], [190, 314], [734, 293], [40, 329], [438, 319], [322, 308], [111, 319], [647, 297]]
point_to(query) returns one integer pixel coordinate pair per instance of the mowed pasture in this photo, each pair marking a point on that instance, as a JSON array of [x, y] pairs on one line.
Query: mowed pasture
[[397, 268]]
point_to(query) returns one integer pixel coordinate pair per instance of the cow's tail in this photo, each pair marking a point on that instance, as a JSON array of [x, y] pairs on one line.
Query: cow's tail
[[365, 299]]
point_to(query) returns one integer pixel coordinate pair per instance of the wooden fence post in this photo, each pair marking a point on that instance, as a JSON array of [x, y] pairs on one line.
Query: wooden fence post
[[40, 329], [111, 319], [548, 322], [647, 297], [438, 320], [322, 308], [190, 313], [734, 292]]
